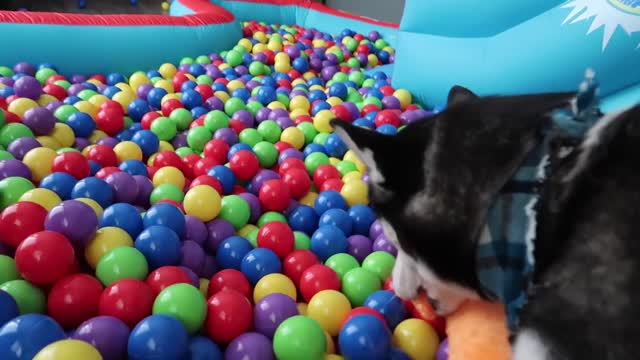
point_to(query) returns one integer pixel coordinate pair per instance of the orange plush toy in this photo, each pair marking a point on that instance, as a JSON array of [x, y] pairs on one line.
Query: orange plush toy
[[476, 331]]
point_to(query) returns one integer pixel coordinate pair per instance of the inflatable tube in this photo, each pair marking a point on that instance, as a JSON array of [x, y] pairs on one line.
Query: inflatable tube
[[514, 47], [88, 44]]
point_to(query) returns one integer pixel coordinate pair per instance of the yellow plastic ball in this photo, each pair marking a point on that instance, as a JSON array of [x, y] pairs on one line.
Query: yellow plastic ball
[[105, 240], [309, 75], [282, 66], [85, 151], [68, 349], [332, 357], [98, 100], [138, 79], [352, 176], [302, 309], [124, 98], [361, 166], [416, 338], [222, 95], [298, 81], [168, 97], [246, 230], [39, 161], [127, 150], [274, 283], [87, 107], [224, 66], [403, 96], [123, 86], [331, 346], [329, 308], [298, 112], [164, 6], [334, 161], [309, 199], [277, 105], [283, 56], [43, 197], [94, 82], [321, 121], [246, 43], [293, 136], [20, 105], [389, 49], [44, 99], [299, 102], [334, 100], [48, 141], [351, 156], [372, 60], [169, 175], [165, 146], [316, 87], [164, 84], [259, 47], [233, 85], [274, 46], [93, 204], [202, 202], [355, 192], [190, 77], [151, 159], [97, 135], [167, 70], [260, 36], [204, 287]]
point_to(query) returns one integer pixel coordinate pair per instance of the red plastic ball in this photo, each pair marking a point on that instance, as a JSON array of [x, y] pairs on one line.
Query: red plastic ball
[[165, 276], [297, 262], [298, 182], [151, 170], [203, 166], [74, 299], [237, 126], [332, 184], [412, 107], [172, 202], [106, 171], [167, 158], [19, 220], [229, 279], [387, 117], [325, 172], [238, 189], [341, 112], [207, 180], [217, 149], [363, 49], [168, 106], [229, 314], [3, 104], [387, 90], [302, 118], [10, 117], [147, 119], [290, 163], [53, 78], [317, 278], [369, 108], [110, 121], [45, 257], [363, 310], [188, 164], [112, 104], [244, 164], [99, 77], [103, 155], [282, 146], [10, 98], [204, 90], [274, 195], [276, 236], [56, 91], [72, 163], [129, 300]]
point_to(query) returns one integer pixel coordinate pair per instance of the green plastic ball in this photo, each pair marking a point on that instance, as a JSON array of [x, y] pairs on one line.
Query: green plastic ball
[[283, 98], [358, 284], [121, 263], [67, 149], [235, 210], [373, 100], [166, 192], [43, 74], [63, 83], [215, 120], [313, 160], [164, 128], [2, 119], [270, 216], [4, 155], [8, 269], [346, 166], [127, 121], [12, 131], [186, 60], [30, 299], [86, 94], [204, 79], [352, 44], [184, 151], [250, 136], [234, 58], [308, 130], [197, 137], [341, 263], [299, 337], [340, 77], [321, 138], [380, 44], [253, 107], [267, 153], [380, 263], [301, 240], [270, 131], [181, 118], [353, 63], [183, 302], [234, 105], [368, 82], [357, 77], [253, 237], [6, 71], [256, 68], [12, 188], [203, 59]]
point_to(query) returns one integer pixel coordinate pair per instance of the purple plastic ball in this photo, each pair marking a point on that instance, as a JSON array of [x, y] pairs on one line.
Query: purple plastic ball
[[391, 102], [109, 141], [293, 51], [290, 153], [382, 243], [192, 256], [227, 135], [262, 114], [75, 89], [73, 219], [375, 230], [196, 230], [219, 230], [109, 335], [261, 177], [359, 247], [143, 91], [13, 167], [180, 140], [443, 350], [78, 78], [254, 206], [20, 146], [250, 346], [210, 267], [144, 190], [373, 35], [245, 117], [408, 117], [184, 67], [24, 68], [284, 122], [272, 310], [124, 186], [195, 280], [53, 105], [213, 103], [27, 87], [278, 112]]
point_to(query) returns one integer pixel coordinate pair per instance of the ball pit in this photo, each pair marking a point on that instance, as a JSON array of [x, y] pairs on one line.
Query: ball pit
[[209, 211]]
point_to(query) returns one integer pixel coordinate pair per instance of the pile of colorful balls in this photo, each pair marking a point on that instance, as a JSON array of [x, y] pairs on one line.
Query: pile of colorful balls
[[204, 211]]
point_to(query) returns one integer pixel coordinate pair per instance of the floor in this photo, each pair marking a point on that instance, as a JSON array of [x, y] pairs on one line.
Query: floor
[[92, 6]]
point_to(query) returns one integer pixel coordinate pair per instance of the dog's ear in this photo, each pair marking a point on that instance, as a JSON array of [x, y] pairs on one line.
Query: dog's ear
[[459, 94]]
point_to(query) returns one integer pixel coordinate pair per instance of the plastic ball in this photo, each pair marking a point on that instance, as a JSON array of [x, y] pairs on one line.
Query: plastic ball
[[169, 175], [244, 164], [39, 161], [107, 334], [229, 279], [202, 348], [258, 263], [105, 239], [94, 189], [166, 215], [365, 337], [66, 349], [44, 257], [30, 299], [202, 202], [389, 305], [360, 310], [235, 210], [316, 278], [327, 241], [443, 350], [183, 302], [8, 308], [160, 246], [129, 300], [123, 216], [74, 299], [274, 283], [24, 336], [20, 220], [122, 263], [73, 219], [274, 195], [362, 217], [250, 346], [231, 252], [358, 284], [166, 276], [355, 192], [297, 262], [271, 311], [43, 197], [341, 263], [229, 314], [278, 237], [329, 308], [299, 337], [158, 337], [329, 200]]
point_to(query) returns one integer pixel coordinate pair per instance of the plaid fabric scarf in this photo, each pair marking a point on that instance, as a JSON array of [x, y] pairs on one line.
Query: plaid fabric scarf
[[505, 251]]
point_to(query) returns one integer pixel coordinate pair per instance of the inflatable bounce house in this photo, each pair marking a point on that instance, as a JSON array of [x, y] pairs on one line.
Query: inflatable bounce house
[[206, 210]]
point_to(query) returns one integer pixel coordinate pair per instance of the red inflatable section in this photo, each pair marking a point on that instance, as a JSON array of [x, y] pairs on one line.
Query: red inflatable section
[[206, 13]]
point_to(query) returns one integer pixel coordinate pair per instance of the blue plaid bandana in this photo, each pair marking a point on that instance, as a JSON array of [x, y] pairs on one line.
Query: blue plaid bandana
[[505, 250]]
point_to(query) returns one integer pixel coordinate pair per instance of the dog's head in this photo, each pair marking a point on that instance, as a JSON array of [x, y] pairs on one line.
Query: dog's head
[[433, 182]]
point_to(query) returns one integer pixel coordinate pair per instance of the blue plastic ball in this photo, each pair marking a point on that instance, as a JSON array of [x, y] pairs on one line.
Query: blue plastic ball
[[153, 73], [95, 189], [158, 337], [329, 199], [115, 78], [154, 97], [365, 337], [24, 336], [303, 218], [266, 94], [241, 93], [397, 354], [338, 218], [197, 70], [237, 147], [198, 111], [202, 348], [231, 251], [147, 141], [387, 129], [258, 263], [226, 177], [320, 105], [362, 216], [338, 90], [136, 126], [5, 92], [123, 216], [301, 64], [125, 135], [70, 100], [134, 167], [60, 183], [137, 108], [188, 85], [82, 124], [94, 166], [166, 215], [389, 305], [219, 87], [191, 98], [109, 91], [328, 240], [335, 146], [159, 245], [364, 122], [8, 308], [313, 147]]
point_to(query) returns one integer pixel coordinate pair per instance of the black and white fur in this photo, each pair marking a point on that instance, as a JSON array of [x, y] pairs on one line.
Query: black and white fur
[[433, 183]]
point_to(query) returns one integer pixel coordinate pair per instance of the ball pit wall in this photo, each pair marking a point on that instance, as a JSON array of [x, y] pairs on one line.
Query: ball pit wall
[[536, 46], [88, 44]]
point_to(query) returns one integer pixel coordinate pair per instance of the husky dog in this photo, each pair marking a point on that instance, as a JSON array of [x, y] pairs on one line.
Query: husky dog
[[433, 184]]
